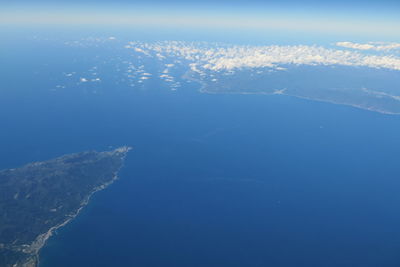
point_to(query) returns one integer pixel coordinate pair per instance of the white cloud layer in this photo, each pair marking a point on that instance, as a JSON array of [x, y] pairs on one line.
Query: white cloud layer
[[215, 57]]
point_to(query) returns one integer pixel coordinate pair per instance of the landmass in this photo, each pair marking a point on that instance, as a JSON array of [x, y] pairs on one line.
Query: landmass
[[367, 80], [362, 87], [40, 197]]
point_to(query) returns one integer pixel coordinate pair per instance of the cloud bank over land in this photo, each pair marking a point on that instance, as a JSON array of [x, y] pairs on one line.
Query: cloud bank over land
[[225, 58]]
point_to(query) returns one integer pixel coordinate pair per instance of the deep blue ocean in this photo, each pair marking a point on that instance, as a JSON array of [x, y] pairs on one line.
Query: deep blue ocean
[[213, 180]]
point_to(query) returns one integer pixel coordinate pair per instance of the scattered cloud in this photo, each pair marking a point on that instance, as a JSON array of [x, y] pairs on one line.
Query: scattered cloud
[[168, 61]]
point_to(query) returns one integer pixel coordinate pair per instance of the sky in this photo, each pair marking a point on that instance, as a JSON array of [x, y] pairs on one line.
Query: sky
[[374, 19]]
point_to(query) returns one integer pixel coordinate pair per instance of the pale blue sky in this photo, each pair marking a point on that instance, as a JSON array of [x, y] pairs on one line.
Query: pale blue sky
[[375, 20]]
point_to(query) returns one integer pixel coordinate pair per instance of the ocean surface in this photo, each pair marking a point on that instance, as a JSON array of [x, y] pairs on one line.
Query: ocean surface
[[213, 180]]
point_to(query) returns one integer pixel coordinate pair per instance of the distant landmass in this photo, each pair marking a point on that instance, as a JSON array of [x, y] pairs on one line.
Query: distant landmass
[[361, 87], [40, 197]]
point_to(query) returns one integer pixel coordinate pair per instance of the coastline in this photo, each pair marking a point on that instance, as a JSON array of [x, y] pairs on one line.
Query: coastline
[[203, 89], [33, 250], [41, 240]]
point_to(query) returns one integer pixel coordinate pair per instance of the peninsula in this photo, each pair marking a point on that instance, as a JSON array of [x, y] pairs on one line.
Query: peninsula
[[40, 197]]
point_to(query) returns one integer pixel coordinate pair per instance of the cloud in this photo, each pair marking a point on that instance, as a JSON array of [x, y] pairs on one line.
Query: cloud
[[202, 57], [377, 46]]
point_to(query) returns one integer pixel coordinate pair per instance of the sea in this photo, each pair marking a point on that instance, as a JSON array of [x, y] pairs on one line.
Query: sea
[[213, 179]]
